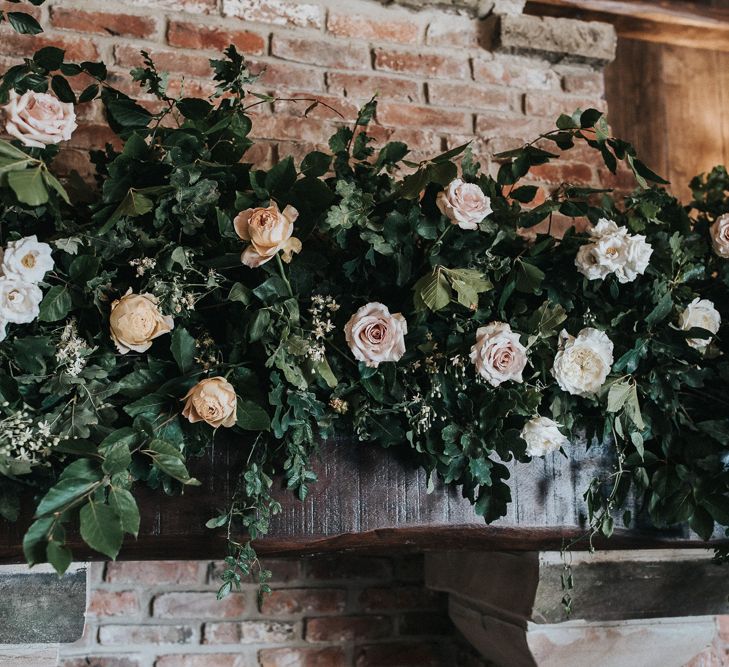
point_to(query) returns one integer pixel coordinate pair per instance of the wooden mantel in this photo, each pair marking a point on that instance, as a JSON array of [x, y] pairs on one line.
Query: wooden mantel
[[703, 24], [373, 500]]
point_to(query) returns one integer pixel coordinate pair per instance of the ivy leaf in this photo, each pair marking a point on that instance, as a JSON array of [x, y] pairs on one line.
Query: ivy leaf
[[101, 528], [183, 348]]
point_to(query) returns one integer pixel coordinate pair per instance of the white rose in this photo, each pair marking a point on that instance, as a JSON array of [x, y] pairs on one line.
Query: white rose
[[497, 354], [700, 313], [19, 300], [27, 259], [582, 364], [638, 257], [464, 204], [613, 250], [719, 232], [39, 119], [375, 335], [542, 436]]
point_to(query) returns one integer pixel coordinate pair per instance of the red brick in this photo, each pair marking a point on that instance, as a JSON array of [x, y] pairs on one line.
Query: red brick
[[424, 623], [276, 12], [203, 660], [189, 6], [99, 661], [332, 108], [515, 74], [24, 8], [499, 125], [76, 48], [282, 127], [166, 60], [583, 82], [398, 655], [103, 23], [408, 115], [364, 86], [563, 172], [261, 156], [146, 634], [398, 597], [546, 104], [195, 36], [453, 33], [469, 95], [70, 160], [348, 567], [198, 605], [94, 136], [249, 632], [282, 569], [301, 657], [288, 75], [325, 54], [423, 64], [113, 603], [356, 26], [347, 628], [287, 601]]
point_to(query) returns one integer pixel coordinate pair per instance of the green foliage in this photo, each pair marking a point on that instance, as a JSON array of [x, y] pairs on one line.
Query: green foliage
[[162, 224]]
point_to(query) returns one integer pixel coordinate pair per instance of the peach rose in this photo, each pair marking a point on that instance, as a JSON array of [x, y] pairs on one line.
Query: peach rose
[[720, 236], [498, 355], [464, 204], [135, 321], [269, 230], [375, 335], [39, 119], [213, 401]]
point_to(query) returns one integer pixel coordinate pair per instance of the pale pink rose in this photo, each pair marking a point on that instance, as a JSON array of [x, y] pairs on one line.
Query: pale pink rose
[[464, 204], [269, 230], [720, 236], [375, 335], [213, 401], [135, 321], [39, 119], [497, 354]]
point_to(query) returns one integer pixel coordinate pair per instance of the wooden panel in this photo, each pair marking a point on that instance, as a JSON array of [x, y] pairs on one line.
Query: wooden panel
[[372, 500]]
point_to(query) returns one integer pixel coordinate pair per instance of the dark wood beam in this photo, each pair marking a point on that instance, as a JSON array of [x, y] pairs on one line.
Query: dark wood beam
[[692, 24]]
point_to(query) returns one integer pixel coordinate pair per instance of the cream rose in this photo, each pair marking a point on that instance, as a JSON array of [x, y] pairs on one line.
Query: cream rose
[[613, 250], [542, 436], [719, 232], [19, 300], [582, 364], [375, 335], [497, 354], [269, 230], [39, 119], [213, 401], [702, 314], [27, 259], [135, 321], [464, 204]]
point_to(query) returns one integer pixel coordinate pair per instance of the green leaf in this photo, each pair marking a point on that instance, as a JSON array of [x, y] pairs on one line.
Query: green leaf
[[59, 556], [281, 177], [49, 57], [251, 416], [524, 194], [124, 504], [528, 276], [194, 108], [170, 460], [149, 406], [133, 205], [316, 164], [128, 113], [84, 267], [239, 292], [54, 184], [432, 291], [183, 349], [65, 492], [29, 186], [35, 540], [62, 89], [24, 24], [618, 394], [116, 458], [101, 528], [662, 310], [56, 304]]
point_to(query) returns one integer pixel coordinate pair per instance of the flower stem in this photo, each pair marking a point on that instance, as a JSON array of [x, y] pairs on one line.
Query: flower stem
[[283, 274]]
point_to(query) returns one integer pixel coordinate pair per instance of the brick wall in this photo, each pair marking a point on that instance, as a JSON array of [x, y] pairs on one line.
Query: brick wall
[[443, 75], [336, 611]]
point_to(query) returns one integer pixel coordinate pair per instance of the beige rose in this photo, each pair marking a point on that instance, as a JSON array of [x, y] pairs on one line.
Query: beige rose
[[464, 204], [375, 335], [135, 321], [39, 119], [498, 354], [212, 401], [719, 232], [269, 230]]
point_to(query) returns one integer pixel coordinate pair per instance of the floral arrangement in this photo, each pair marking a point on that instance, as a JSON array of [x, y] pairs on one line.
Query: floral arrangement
[[191, 296]]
